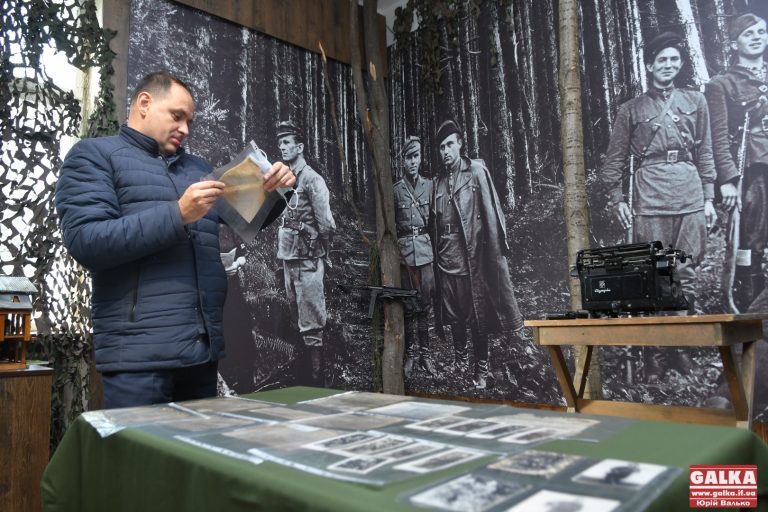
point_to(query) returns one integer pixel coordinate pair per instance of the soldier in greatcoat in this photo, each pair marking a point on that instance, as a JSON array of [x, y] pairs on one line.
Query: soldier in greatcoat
[[469, 236]]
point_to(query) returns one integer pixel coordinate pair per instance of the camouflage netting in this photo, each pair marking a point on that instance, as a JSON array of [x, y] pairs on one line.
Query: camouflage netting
[[34, 116]]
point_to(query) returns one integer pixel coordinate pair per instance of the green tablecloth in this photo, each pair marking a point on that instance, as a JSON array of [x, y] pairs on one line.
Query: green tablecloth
[[135, 471]]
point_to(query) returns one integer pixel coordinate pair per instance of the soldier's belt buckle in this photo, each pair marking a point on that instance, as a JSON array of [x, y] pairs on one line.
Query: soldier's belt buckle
[[415, 230], [764, 121], [672, 156]]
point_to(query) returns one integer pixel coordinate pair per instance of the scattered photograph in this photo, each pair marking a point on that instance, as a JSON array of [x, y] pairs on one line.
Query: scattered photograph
[[441, 460], [380, 444], [284, 436], [284, 413], [357, 400], [223, 404], [531, 436], [437, 423], [535, 463], [498, 431], [360, 465], [469, 493], [341, 442], [153, 414], [211, 423], [551, 501], [351, 421], [467, 427], [620, 473], [412, 450], [419, 410]]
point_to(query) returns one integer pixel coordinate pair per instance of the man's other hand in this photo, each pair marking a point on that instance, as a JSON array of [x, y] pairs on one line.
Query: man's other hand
[[625, 216], [279, 176], [198, 199], [730, 196]]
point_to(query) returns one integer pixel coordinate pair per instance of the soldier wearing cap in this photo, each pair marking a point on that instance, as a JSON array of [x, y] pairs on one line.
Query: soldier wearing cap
[[304, 243], [412, 194], [737, 100], [469, 236], [664, 137]]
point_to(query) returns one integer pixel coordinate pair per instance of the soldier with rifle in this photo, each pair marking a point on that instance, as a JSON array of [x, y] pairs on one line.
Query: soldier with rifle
[[739, 119], [304, 245], [663, 136]]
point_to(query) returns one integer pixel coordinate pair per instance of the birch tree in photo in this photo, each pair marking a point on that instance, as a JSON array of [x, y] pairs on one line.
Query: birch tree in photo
[[572, 140], [374, 116], [503, 145], [695, 54]]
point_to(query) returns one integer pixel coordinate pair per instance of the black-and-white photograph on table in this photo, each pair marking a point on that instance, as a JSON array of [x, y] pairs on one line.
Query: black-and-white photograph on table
[[340, 443], [442, 460], [469, 493], [536, 463], [553, 501], [620, 473], [360, 465]]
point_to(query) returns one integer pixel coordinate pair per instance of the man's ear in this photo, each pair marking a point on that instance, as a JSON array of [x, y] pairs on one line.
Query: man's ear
[[300, 145], [143, 102]]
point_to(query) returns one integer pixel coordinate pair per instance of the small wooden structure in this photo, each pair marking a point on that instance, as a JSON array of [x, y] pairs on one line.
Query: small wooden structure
[[15, 321]]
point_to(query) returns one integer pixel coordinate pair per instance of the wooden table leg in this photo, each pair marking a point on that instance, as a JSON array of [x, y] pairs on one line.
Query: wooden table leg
[[564, 377], [735, 380], [582, 371], [748, 368]]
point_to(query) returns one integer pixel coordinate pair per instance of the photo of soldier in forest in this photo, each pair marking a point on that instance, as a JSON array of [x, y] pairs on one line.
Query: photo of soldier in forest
[[412, 194], [469, 235], [661, 149], [304, 245], [738, 105]]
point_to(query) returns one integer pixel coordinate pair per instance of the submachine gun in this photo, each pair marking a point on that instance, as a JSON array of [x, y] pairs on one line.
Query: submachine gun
[[639, 278]]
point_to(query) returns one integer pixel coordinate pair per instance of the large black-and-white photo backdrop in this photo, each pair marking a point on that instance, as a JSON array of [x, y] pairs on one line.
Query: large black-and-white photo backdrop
[[498, 85]]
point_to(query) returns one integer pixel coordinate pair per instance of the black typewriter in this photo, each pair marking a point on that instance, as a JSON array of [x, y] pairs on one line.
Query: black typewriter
[[630, 279]]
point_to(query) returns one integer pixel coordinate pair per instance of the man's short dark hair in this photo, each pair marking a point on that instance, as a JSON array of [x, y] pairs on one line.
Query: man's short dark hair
[[157, 84]]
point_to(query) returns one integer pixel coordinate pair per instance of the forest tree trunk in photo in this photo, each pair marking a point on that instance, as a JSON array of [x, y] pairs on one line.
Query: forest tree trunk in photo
[[575, 192], [374, 117]]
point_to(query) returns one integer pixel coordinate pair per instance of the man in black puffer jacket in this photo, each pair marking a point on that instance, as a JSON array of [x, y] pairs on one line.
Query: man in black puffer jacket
[[134, 212]]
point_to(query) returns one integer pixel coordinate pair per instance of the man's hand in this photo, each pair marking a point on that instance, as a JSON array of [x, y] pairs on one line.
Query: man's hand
[[625, 216], [279, 176], [709, 213], [730, 196], [198, 199]]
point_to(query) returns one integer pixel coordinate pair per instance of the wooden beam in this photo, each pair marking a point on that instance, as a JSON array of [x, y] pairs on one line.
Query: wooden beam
[[304, 23]]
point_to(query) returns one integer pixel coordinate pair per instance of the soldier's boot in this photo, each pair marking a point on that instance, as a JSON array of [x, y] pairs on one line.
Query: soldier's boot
[[742, 288], [483, 376], [411, 354], [425, 362], [316, 366], [460, 352], [757, 280]]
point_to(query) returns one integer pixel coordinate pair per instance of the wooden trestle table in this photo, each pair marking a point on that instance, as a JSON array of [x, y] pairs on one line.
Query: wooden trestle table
[[724, 332]]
